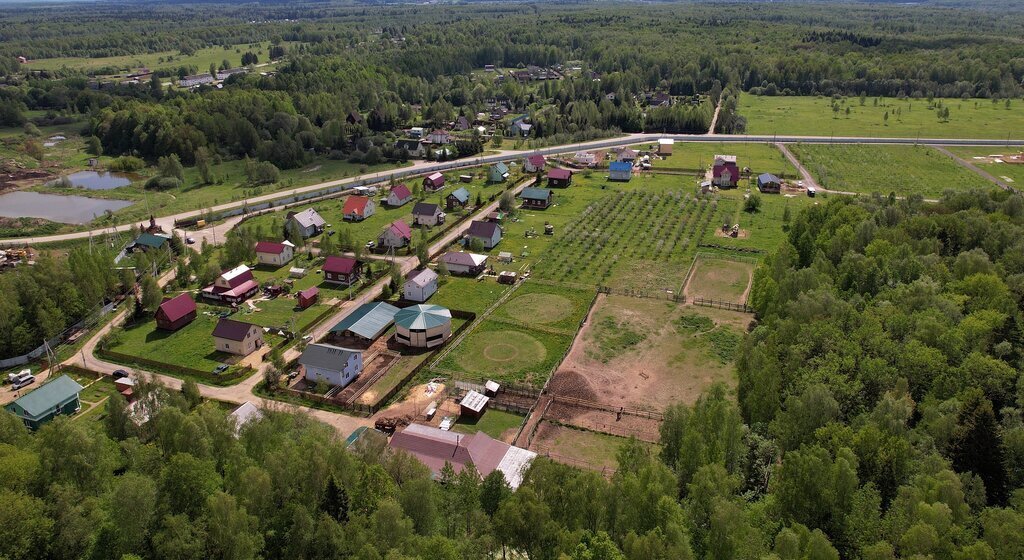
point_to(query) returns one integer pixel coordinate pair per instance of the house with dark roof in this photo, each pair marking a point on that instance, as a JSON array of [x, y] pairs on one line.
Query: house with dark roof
[[398, 234], [725, 173], [768, 183], [232, 286], [489, 233], [274, 254], [52, 399], [464, 263], [534, 163], [331, 364], [357, 208], [559, 177], [344, 271], [414, 148], [175, 312], [427, 214], [354, 118], [433, 182], [462, 123], [536, 199], [309, 222], [498, 172], [236, 337], [149, 242], [620, 171], [420, 285], [308, 297], [434, 447], [399, 195], [457, 199], [366, 322]]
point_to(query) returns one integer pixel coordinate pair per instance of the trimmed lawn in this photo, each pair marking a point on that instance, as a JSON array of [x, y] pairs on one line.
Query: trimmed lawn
[[908, 118], [905, 170], [553, 307], [98, 391], [496, 423], [279, 312], [505, 352], [468, 294], [763, 230], [698, 156]]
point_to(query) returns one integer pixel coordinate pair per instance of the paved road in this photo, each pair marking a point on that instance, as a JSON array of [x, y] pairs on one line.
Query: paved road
[[167, 222]]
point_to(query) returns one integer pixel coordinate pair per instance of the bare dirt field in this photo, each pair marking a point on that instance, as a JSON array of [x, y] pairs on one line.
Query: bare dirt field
[[720, 279], [645, 354]]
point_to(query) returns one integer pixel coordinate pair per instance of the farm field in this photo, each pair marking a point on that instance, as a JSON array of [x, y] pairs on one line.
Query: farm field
[[984, 158], [649, 353], [496, 423], [760, 158], [580, 448], [158, 60], [908, 118], [720, 278], [905, 170]]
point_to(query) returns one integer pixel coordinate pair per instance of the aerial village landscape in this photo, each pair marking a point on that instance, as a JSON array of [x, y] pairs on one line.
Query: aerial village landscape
[[340, 296]]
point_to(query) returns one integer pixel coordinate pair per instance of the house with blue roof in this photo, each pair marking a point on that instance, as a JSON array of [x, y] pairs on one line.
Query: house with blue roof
[[367, 322], [57, 397], [498, 173], [620, 171], [458, 199]]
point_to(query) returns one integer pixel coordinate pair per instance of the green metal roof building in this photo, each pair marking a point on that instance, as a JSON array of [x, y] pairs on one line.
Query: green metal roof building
[[59, 396], [423, 326], [368, 321], [150, 241]]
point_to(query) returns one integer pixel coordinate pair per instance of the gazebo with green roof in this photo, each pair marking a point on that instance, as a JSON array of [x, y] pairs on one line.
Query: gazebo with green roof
[[423, 326]]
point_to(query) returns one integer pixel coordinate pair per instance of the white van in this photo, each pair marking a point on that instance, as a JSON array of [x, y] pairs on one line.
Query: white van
[[21, 379]]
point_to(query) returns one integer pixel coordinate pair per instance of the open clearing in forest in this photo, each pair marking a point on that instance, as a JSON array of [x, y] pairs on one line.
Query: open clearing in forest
[[644, 354], [579, 448], [908, 118], [720, 279]]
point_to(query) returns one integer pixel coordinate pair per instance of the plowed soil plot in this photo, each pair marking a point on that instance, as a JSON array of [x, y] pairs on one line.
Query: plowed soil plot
[[646, 354]]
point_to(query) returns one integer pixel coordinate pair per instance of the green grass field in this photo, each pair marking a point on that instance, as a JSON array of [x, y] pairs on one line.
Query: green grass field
[[905, 170], [494, 423], [760, 158], [468, 294], [762, 230], [908, 118], [551, 307], [506, 352], [158, 60], [984, 158]]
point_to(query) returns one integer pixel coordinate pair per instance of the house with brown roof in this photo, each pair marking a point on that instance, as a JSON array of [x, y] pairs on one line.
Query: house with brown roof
[[439, 137], [341, 270], [559, 177], [236, 337], [489, 233], [308, 297], [435, 447], [462, 263], [358, 208], [399, 195], [398, 234], [433, 182], [274, 254], [232, 286], [175, 312]]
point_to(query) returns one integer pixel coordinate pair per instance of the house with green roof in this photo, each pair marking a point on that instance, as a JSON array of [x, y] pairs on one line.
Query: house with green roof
[[458, 199], [57, 397], [498, 173], [149, 242], [535, 198]]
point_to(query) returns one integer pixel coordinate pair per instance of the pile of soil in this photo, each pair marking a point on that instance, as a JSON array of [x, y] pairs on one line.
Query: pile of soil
[[570, 383]]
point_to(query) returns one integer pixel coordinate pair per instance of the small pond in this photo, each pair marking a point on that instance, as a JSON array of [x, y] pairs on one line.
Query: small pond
[[97, 180], [55, 207]]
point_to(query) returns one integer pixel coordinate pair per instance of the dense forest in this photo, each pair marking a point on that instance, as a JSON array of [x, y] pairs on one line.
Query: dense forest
[[401, 66], [878, 417]]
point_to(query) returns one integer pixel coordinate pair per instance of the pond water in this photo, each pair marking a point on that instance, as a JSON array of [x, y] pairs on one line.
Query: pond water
[[55, 207], [98, 180]]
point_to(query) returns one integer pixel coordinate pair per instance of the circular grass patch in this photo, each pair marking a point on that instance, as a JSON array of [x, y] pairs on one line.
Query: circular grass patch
[[500, 351], [539, 308]]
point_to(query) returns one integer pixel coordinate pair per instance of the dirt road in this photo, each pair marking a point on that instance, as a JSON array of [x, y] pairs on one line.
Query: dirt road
[[984, 174]]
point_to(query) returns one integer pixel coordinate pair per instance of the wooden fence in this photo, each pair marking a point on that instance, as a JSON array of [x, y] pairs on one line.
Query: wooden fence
[[719, 304], [594, 405], [163, 367]]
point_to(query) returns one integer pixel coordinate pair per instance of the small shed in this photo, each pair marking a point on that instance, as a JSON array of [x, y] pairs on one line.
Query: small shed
[[308, 297], [297, 272], [473, 405], [665, 146], [491, 388], [505, 257], [507, 277]]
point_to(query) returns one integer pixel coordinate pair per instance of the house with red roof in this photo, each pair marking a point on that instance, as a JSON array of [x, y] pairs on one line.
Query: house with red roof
[[308, 297], [399, 195], [358, 208], [274, 254], [559, 177], [232, 286], [433, 182], [342, 270], [725, 173], [175, 312], [534, 163], [398, 234]]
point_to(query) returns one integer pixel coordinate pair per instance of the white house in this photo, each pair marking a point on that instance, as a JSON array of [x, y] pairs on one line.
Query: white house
[[398, 234], [439, 137], [588, 159], [489, 233], [274, 254], [461, 263], [534, 163], [399, 195], [427, 214], [332, 364], [309, 221], [420, 285]]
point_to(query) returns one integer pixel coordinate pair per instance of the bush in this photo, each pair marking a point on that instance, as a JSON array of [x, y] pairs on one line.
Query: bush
[[162, 183], [126, 163]]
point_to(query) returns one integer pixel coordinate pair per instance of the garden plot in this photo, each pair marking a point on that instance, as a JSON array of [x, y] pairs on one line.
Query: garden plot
[[629, 240], [720, 279], [646, 354], [763, 230]]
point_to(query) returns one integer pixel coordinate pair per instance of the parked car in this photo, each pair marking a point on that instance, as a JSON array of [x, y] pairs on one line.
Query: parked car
[[120, 374], [220, 369], [21, 379], [190, 240], [811, 191], [293, 374], [371, 244]]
